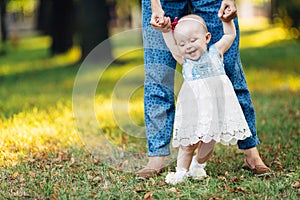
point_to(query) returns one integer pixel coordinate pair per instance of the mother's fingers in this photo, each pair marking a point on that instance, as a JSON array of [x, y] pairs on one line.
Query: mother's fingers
[[227, 10], [229, 15], [222, 9], [165, 23]]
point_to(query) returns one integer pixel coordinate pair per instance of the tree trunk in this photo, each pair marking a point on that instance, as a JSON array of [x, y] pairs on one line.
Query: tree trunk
[[2, 17], [62, 26], [44, 16], [94, 28]]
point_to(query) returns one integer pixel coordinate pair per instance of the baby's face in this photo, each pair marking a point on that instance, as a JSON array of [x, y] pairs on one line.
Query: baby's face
[[190, 39]]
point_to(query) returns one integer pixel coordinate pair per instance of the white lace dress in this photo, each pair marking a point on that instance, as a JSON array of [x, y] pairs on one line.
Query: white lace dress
[[207, 107]]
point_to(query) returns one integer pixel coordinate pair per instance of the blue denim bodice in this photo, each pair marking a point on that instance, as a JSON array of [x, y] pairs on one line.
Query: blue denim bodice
[[208, 65]]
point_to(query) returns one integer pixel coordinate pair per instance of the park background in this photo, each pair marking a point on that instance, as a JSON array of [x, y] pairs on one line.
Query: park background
[[43, 152]]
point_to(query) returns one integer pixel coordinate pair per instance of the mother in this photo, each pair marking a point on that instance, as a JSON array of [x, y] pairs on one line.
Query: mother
[[159, 80]]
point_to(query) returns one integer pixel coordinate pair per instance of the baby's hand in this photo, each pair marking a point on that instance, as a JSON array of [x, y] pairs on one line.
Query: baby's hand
[[227, 11]]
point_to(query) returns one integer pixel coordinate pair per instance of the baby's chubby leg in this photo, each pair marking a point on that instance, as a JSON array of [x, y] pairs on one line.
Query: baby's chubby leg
[[199, 161], [184, 159], [185, 155], [205, 150]]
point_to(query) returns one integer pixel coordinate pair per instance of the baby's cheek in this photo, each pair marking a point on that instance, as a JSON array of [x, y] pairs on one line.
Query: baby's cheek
[[181, 50]]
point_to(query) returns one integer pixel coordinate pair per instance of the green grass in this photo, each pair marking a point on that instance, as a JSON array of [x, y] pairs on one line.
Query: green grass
[[43, 153]]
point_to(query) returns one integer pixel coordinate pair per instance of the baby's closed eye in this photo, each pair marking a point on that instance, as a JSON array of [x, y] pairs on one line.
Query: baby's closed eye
[[181, 44]]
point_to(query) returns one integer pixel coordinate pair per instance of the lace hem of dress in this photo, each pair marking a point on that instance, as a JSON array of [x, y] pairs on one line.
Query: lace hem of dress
[[225, 138], [227, 134]]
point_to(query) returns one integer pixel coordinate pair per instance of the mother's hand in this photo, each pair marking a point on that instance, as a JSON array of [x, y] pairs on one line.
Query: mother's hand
[[159, 21], [227, 10]]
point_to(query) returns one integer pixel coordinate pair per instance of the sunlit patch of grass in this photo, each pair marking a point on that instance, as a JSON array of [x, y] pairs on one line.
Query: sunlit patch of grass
[[267, 80], [258, 32], [274, 67], [34, 43], [263, 37], [294, 83], [36, 131], [136, 107], [103, 110], [121, 121], [126, 41], [253, 23]]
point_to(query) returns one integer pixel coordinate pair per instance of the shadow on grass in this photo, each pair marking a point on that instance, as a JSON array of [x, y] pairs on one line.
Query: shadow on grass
[[42, 88], [44, 85]]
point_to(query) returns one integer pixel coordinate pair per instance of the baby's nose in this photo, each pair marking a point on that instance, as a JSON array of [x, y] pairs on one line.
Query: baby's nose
[[188, 46]]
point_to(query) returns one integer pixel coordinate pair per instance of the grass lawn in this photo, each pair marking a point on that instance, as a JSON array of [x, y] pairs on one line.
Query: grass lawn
[[45, 153]]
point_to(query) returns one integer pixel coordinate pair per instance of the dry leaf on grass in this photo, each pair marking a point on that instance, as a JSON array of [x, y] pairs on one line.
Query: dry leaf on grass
[[296, 185], [31, 174], [22, 179], [152, 181], [160, 184], [72, 161], [148, 195], [174, 190], [14, 175], [139, 189]]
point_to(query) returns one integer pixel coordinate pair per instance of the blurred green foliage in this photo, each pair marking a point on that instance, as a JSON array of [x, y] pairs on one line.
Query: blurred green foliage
[[25, 6], [287, 13]]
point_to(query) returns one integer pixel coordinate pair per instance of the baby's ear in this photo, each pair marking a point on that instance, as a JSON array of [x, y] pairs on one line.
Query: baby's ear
[[208, 37]]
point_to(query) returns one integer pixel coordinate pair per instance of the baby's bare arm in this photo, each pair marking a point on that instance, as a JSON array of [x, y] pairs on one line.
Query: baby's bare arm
[[229, 35], [171, 44]]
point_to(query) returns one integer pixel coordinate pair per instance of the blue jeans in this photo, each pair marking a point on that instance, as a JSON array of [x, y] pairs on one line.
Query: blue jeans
[[160, 68]]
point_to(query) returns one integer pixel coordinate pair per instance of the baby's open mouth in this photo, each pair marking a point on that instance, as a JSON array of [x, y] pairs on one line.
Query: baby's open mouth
[[191, 52]]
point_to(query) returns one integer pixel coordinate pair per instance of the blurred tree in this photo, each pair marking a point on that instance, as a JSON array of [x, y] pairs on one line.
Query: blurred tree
[[44, 16], [94, 28], [3, 4], [56, 18], [126, 13], [288, 13], [62, 25], [282, 11]]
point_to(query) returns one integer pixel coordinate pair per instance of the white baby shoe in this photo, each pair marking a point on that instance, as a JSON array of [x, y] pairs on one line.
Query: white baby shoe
[[176, 177], [197, 170]]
